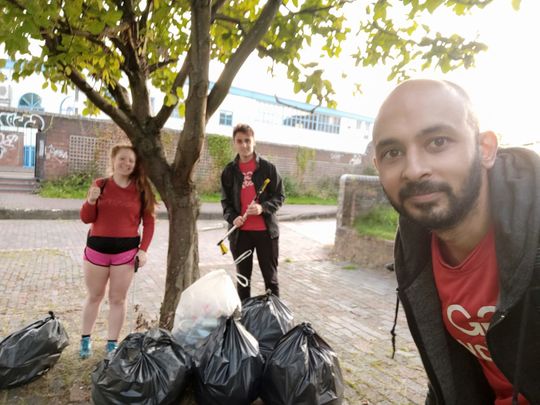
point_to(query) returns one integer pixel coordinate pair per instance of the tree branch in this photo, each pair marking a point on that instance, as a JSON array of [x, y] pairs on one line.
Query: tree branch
[[165, 111], [314, 10], [252, 39], [156, 66], [191, 139], [116, 114], [120, 95]]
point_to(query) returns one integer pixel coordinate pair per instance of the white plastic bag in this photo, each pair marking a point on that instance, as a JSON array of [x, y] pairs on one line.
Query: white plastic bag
[[212, 296], [202, 304]]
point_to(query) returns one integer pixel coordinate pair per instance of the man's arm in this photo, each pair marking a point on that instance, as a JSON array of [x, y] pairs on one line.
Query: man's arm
[[227, 198], [276, 194]]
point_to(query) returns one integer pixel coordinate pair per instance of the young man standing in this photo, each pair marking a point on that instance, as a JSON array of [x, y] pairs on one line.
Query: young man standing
[[255, 219], [466, 258]]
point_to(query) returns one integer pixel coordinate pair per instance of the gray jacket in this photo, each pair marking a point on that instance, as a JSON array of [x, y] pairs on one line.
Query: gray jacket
[[513, 336]]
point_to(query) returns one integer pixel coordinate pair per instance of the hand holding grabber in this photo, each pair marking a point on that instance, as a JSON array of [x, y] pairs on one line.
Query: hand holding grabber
[[221, 243]]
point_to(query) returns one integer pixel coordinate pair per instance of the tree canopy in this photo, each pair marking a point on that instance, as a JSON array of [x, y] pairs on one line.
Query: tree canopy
[[114, 51]]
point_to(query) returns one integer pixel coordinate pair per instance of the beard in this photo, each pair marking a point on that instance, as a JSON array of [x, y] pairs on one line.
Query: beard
[[459, 205]]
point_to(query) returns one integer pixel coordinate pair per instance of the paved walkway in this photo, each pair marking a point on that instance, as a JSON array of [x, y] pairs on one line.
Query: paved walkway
[[352, 308]]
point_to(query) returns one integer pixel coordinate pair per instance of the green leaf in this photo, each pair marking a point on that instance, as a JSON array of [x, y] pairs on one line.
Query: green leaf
[[170, 99], [516, 4]]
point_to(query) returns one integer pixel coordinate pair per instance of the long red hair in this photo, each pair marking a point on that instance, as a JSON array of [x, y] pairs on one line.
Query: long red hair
[[139, 176]]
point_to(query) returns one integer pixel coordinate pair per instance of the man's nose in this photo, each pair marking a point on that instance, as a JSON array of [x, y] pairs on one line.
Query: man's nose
[[416, 167]]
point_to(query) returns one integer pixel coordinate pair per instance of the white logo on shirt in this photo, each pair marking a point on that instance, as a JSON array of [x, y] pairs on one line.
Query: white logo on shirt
[[475, 328], [247, 180]]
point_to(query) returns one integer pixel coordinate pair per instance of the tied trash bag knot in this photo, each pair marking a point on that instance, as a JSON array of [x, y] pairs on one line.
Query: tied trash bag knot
[[32, 351], [267, 318]]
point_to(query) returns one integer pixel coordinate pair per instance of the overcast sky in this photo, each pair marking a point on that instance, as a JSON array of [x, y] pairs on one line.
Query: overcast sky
[[505, 85]]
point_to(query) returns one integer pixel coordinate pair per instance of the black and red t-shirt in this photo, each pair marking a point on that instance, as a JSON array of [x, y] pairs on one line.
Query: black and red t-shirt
[[468, 294], [247, 194]]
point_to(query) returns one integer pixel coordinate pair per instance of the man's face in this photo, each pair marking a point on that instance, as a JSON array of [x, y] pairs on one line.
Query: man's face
[[244, 145], [427, 155]]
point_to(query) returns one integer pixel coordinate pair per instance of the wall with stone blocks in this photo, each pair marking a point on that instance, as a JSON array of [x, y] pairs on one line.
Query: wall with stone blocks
[[357, 195]]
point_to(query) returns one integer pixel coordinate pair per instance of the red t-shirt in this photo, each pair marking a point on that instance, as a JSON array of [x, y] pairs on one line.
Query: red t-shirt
[[468, 294], [247, 194], [117, 214]]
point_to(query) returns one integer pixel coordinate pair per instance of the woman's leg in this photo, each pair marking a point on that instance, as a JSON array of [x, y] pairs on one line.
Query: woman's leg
[[121, 277], [95, 278]]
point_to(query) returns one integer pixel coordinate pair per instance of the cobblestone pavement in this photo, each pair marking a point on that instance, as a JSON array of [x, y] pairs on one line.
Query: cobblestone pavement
[[351, 308]]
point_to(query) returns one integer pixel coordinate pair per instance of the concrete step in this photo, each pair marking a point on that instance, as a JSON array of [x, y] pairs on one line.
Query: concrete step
[[18, 185]]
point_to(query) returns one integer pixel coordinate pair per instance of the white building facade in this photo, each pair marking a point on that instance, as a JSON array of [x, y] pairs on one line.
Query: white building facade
[[274, 120]]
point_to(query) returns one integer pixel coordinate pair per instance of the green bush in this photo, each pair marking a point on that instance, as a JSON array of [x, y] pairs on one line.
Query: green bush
[[325, 192], [76, 186], [72, 186], [291, 187], [380, 222]]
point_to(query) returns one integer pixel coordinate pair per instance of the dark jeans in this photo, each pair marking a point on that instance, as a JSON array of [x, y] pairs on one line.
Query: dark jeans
[[267, 255]]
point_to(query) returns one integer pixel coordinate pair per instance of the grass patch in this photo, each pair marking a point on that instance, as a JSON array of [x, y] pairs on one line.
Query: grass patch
[[350, 267], [310, 200], [293, 200], [381, 223], [210, 197], [76, 186], [71, 186]]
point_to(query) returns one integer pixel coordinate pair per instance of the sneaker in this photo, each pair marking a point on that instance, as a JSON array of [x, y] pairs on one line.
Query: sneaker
[[111, 347], [86, 348]]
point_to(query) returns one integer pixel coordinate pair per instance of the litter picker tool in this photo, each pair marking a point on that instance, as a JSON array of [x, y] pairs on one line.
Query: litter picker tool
[[221, 243]]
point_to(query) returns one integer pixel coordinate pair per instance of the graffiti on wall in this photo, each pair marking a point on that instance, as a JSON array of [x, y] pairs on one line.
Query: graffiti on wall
[[51, 153], [14, 119], [7, 142]]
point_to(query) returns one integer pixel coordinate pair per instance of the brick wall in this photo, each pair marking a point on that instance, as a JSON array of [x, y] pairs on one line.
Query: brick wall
[[74, 144], [11, 149]]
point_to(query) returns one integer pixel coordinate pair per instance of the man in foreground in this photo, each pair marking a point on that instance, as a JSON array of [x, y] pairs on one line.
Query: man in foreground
[[466, 246]]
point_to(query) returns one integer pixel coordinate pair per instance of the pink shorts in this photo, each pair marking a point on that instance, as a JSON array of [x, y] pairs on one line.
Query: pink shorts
[[106, 260]]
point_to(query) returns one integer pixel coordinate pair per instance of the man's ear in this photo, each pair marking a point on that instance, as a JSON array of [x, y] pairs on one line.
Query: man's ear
[[375, 163], [488, 144]]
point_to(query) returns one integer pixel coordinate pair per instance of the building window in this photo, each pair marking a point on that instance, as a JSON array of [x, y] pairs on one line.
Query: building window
[[314, 122], [30, 101], [225, 118]]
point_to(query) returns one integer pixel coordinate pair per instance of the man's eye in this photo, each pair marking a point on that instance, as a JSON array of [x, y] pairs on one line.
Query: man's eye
[[438, 142], [391, 154]]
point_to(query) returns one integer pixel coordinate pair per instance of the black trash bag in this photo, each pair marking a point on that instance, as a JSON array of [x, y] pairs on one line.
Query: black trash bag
[[229, 367], [267, 318], [302, 370], [31, 351], [147, 368]]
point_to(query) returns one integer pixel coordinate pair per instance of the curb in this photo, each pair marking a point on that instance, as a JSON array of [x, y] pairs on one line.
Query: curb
[[52, 214]]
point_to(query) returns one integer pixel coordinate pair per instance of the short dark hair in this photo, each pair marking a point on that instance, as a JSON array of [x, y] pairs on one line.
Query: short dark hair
[[244, 128]]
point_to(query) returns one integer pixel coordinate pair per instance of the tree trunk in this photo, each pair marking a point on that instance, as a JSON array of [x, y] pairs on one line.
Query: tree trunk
[[183, 253]]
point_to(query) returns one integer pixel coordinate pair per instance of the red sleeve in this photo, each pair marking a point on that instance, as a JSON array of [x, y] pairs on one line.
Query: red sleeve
[[149, 221], [88, 211]]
